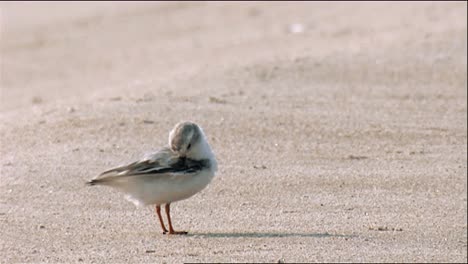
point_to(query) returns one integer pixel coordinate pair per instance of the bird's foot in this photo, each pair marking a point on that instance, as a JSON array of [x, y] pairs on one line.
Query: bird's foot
[[172, 232]]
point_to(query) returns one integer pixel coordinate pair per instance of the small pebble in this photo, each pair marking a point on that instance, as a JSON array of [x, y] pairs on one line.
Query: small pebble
[[296, 28], [36, 100], [213, 99], [353, 157]]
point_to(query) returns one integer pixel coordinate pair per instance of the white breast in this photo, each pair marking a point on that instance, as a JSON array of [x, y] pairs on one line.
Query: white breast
[[165, 188]]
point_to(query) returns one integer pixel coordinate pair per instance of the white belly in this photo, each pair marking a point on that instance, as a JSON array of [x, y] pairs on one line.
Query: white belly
[[162, 189]]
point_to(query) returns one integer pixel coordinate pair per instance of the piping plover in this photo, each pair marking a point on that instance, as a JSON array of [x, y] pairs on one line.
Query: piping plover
[[174, 173]]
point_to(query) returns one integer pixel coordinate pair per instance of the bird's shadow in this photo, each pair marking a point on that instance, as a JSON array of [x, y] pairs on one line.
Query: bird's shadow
[[265, 235]]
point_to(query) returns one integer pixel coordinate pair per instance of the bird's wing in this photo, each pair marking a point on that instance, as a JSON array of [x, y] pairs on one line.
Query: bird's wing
[[160, 163]]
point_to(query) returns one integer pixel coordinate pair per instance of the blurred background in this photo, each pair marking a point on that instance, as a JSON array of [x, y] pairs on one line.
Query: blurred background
[[53, 50]]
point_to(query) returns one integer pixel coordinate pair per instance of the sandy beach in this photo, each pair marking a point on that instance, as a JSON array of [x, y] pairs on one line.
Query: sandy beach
[[340, 129]]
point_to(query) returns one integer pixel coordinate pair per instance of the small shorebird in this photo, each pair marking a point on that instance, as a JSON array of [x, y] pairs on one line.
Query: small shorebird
[[171, 174]]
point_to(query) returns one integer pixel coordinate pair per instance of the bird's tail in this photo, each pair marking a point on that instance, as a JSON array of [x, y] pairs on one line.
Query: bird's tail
[[93, 182]]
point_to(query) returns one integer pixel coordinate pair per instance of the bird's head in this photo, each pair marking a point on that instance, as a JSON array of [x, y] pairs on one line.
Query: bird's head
[[185, 138]]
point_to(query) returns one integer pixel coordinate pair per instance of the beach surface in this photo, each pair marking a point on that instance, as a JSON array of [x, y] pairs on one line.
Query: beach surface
[[340, 129]]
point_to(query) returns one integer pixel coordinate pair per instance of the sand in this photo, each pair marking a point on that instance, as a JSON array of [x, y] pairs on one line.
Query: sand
[[340, 130]]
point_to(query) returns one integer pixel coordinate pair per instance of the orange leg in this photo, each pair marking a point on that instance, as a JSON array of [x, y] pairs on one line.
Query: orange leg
[[171, 230], [158, 211]]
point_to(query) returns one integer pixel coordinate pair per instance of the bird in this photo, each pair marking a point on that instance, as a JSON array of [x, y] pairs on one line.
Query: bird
[[175, 172]]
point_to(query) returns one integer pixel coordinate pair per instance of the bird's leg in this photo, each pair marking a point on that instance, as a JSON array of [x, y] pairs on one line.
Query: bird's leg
[[171, 230], [158, 211]]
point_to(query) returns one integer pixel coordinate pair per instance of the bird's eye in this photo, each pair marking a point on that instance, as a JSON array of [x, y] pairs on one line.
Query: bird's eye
[[188, 147]]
